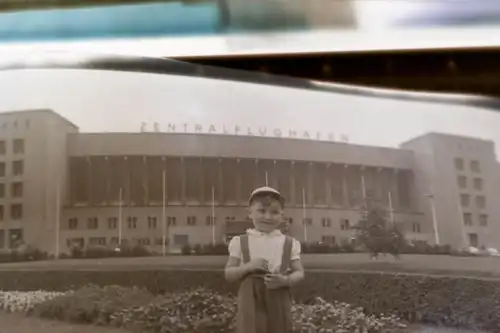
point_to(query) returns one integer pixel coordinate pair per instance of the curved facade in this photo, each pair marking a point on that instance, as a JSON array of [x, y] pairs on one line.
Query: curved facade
[[81, 187]]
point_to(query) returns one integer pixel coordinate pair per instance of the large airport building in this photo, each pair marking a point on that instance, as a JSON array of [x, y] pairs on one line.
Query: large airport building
[[61, 187]]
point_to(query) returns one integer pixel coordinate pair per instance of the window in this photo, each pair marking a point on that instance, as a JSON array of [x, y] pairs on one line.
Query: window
[[328, 239], [172, 221], [473, 240], [290, 220], [345, 224], [18, 168], [2, 190], [211, 220], [114, 240], [464, 200], [480, 201], [132, 222], [191, 220], [416, 228], [478, 184], [474, 166], [159, 241], [144, 241], [97, 241], [462, 181], [112, 222], [181, 240], [2, 169], [459, 163], [152, 222], [307, 221], [230, 218], [17, 190], [467, 218], [3, 147], [78, 242], [73, 223], [483, 220], [326, 222], [18, 146], [1, 213], [15, 237], [92, 223], [16, 211]]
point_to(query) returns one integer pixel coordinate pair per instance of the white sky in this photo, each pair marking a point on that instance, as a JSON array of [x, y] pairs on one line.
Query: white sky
[[112, 101]]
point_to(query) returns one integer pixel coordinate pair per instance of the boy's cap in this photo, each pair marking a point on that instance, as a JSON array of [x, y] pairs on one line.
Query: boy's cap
[[266, 190]]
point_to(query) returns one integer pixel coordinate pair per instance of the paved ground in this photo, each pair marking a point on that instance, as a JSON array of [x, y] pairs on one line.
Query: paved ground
[[426, 264]]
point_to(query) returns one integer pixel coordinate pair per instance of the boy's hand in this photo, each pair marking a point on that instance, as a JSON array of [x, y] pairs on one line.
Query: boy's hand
[[275, 281], [258, 265]]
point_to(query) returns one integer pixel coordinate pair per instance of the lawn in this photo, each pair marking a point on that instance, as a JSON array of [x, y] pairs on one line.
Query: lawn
[[421, 264]]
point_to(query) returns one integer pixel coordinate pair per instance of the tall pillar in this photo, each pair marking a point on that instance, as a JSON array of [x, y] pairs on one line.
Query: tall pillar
[[89, 180], [274, 182], [202, 182], [183, 181], [328, 186], [220, 181], [164, 169], [256, 170], [238, 182], [145, 177], [395, 189], [310, 185], [293, 191], [345, 186], [107, 189], [126, 188]]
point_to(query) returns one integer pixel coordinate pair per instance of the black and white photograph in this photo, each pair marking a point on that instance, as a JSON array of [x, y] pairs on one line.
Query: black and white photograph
[[267, 166]]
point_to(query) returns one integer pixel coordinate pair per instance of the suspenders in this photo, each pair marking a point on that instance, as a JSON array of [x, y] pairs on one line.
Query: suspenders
[[285, 259]]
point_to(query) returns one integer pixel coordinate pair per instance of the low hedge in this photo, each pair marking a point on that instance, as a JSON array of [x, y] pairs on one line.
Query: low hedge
[[448, 301]]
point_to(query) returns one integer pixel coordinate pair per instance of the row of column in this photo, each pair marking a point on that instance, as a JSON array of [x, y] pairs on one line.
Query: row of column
[[150, 180]]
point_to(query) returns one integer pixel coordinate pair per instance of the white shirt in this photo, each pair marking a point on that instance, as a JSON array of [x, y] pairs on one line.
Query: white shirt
[[267, 246]]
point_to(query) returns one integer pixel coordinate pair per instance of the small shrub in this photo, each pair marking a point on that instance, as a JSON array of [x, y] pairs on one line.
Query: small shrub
[[187, 250], [215, 249], [92, 304], [197, 249]]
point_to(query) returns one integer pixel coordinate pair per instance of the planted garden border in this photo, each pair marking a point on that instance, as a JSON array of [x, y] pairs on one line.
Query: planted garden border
[[447, 301]]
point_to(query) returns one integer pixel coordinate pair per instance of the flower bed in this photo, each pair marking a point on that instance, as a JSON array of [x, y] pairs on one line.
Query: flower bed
[[451, 301], [24, 301], [194, 311]]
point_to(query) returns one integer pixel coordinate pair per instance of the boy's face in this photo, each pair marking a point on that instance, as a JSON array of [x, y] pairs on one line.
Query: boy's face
[[266, 213]]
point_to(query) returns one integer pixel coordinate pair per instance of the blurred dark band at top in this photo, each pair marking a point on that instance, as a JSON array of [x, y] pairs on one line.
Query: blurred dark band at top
[[286, 14]]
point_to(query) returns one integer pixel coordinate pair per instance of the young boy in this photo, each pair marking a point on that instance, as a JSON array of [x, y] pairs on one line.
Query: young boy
[[267, 263]]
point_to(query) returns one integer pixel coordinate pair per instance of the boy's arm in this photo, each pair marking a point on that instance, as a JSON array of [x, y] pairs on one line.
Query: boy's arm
[[234, 271], [297, 272]]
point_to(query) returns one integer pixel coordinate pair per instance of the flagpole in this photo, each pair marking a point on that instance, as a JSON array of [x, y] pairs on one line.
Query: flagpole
[[304, 213], [163, 216], [213, 215], [391, 209], [363, 187], [58, 218], [120, 217]]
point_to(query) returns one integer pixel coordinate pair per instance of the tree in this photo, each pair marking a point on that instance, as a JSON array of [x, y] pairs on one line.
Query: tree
[[377, 234]]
